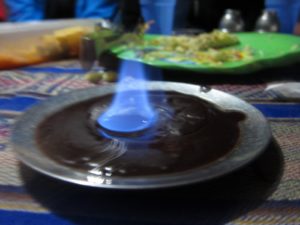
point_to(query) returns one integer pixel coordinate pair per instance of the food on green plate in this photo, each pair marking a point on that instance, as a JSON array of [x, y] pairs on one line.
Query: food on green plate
[[210, 56], [208, 48], [184, 43]]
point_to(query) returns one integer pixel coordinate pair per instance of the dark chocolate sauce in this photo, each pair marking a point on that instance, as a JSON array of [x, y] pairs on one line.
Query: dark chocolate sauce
[[190, 133]]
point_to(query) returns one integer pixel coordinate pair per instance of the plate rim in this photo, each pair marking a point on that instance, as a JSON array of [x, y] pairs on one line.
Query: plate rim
[[23, 136]]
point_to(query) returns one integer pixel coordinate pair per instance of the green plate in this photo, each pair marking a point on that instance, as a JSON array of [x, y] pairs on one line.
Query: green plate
[[269, 50]]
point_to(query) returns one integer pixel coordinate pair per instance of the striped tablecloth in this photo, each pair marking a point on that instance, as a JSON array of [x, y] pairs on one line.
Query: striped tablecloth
[[265, 192]]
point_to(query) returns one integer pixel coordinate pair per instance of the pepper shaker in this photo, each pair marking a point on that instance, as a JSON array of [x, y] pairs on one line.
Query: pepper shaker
[[232, 21], [87, 53], [268, 22]]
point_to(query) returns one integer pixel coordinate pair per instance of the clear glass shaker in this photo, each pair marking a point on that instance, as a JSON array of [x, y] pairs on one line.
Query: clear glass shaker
[[268, 22], [232, 21]]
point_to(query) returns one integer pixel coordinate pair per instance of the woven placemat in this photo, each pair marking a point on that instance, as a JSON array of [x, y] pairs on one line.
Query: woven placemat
[[265, 192]]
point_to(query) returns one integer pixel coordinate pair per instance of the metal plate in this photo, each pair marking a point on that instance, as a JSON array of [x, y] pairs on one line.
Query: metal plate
[[255, 136]]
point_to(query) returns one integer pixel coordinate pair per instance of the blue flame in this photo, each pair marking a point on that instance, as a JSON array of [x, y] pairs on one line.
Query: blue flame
[[130, 110]]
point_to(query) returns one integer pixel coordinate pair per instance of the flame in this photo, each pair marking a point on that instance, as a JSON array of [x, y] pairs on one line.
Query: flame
[[130, 110]]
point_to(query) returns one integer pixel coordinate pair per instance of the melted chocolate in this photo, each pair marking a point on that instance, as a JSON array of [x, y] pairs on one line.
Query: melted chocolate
[[190, 133]]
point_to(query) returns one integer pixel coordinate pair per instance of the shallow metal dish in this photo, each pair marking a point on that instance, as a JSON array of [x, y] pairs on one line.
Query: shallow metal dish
[[255, 136]]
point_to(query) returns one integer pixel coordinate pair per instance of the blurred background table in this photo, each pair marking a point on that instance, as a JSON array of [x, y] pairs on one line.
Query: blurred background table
[[265, 192]]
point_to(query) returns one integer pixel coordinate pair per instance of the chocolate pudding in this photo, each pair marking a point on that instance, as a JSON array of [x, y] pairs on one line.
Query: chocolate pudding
[[189, 133]]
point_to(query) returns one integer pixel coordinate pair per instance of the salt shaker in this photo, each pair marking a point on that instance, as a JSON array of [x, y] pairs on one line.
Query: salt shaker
[[268, 22], [232, 21]]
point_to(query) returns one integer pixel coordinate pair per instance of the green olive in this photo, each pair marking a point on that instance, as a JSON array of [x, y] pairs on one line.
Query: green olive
[[93, 77], [109, 76]]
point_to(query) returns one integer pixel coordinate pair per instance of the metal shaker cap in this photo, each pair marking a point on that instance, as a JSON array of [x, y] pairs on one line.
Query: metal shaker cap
[[231, 21], [102, 23], [268, 22]]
